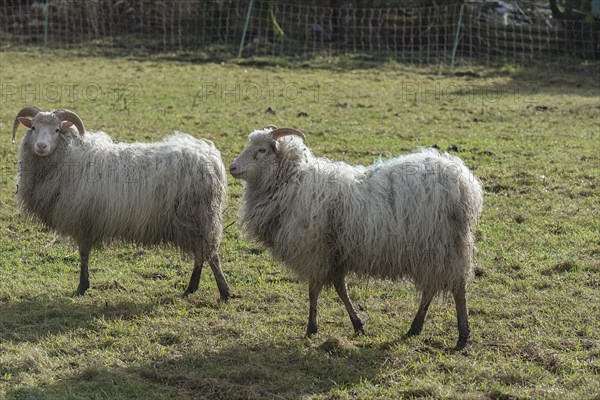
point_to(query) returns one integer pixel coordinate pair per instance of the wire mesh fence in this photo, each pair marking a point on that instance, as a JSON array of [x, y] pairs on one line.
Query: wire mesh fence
[[480, 32], [116, 24]]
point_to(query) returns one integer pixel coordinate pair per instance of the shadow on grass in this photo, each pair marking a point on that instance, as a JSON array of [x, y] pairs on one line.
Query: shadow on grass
[[32, 320], [283, 370], [274, 370], [95, 383], [525, 84]]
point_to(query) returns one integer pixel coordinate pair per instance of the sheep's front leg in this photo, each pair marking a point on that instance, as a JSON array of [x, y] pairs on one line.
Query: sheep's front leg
[[84, 276], [460, 299], [417, 324], [215, 265], [339, 283], [314, 289]]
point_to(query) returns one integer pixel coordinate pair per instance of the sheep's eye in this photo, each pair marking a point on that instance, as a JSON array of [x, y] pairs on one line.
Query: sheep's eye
[[57, 130], [33, 128], [262, 150]]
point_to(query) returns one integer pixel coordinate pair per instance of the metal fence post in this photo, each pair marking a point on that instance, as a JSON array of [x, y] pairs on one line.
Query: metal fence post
[[460, 15], [245, 28], [46, 24]]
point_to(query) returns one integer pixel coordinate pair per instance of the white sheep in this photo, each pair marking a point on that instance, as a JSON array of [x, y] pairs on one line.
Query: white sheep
[[93, 190], [411, 217]]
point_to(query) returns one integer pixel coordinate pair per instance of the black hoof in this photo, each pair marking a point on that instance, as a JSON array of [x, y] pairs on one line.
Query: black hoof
[[311, 330], [414, 330], [225, 297], [359, 327], [82, 288], [461, 344]]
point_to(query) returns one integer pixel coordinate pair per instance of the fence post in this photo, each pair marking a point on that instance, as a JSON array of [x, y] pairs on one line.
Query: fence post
[[245, 29], [460, 15], [46, 24]]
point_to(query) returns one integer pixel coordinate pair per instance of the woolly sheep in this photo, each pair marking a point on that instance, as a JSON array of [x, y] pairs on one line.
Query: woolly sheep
[[411, 217], [93, 190]]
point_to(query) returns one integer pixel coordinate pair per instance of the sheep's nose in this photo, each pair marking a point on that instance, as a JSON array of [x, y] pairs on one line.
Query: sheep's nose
[[235, 171], [41, 146]]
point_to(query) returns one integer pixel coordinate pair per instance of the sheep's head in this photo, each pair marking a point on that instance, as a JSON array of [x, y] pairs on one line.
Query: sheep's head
[[45, 127], [264, 150]]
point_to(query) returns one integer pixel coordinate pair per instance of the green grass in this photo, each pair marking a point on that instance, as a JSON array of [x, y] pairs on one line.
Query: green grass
[[531, 136]]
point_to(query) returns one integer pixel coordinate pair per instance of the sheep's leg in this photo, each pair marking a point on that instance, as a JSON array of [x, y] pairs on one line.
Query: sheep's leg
[[417, 324], [342, 290], [195, 278], [215, 264], [314, 289], [84, 276], [460, 299]]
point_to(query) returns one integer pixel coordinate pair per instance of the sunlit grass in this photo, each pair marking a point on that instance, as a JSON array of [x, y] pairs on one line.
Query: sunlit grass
[[534, 305]]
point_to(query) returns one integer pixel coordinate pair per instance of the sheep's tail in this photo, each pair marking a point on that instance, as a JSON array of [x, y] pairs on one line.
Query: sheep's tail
[[471, 196], [218, 202]]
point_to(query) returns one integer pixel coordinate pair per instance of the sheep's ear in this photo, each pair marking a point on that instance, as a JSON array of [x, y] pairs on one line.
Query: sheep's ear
[[275, 146], [25, 121], [66, 125]]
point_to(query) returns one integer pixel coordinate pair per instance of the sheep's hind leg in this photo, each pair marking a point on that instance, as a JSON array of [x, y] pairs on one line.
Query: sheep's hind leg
[[417, 324], [342, 290], [314, 289], [460, 299], [196, 274], [215, 265], [84, 276]]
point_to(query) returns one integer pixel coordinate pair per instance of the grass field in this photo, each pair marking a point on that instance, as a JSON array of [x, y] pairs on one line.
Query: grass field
[[531, 136]]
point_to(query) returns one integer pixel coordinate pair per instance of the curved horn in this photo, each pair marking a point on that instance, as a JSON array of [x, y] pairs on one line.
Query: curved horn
[[271, 127], [281, 132], [30, 111], [68, 115]]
